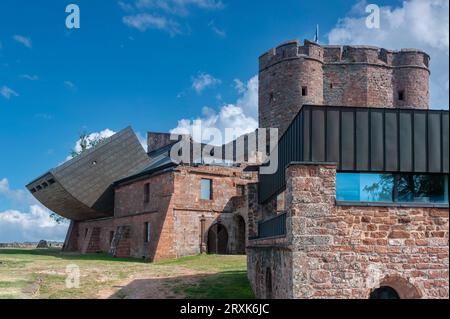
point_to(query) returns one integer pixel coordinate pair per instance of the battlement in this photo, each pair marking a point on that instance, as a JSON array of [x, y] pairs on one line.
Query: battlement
[[347, 54], [292, 75]]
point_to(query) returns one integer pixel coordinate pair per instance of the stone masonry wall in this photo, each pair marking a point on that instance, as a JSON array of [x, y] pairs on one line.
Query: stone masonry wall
[[348, 251], [361, 76], [175, 212]]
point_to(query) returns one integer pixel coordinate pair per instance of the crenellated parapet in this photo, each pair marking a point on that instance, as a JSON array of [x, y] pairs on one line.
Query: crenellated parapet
[[292, 75]]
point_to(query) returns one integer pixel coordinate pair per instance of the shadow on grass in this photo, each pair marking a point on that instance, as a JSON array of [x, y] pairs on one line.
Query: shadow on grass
[[54, 252], [223, 285]]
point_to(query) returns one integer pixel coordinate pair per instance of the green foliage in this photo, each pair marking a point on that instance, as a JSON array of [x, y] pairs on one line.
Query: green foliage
[[86, 142]]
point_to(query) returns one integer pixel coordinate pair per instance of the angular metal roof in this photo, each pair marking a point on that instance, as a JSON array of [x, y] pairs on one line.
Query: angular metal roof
[[81, 188]]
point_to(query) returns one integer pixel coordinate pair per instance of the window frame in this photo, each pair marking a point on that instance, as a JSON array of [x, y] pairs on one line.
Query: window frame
[[147, 232], [395, 196], [210, 181]]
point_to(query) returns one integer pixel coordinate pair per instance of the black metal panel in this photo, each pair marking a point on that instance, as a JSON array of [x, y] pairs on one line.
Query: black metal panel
[[333, 133], [318, 135], [406, 142], [445, 142], [391, 141], [347, 161], [434, 142], [376, 140], [363, 139], [420, 144]]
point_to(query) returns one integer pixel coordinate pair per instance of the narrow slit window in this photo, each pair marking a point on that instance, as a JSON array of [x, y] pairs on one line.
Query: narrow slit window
[[148, 232], [401, 95], [304, 91], [147, 193]]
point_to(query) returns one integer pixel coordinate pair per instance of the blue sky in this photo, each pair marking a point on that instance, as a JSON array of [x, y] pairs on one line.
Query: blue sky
[[153, 63]]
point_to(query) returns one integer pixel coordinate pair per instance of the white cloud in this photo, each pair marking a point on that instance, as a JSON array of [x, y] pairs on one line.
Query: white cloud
[[203, 81], [4, 185], [143, 140], [163, 14], [7, 92], [16, 196], [34, 225], [179, 7], [240, 116], [91, 138], [415, 24], [70, 85], [29, 77], [220, 32], [23, 40], [145, 21]]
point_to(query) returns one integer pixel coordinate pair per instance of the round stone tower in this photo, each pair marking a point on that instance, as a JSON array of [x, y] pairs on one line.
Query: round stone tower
[[291, 76], [411, 79]]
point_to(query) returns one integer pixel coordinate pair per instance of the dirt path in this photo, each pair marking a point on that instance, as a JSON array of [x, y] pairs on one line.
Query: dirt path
[[153, 285]]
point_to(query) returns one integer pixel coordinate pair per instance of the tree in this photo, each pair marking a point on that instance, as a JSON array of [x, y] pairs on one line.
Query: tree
[[86, 142]]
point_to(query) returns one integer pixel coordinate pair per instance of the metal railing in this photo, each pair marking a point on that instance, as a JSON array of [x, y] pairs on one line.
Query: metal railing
[[273, 227]]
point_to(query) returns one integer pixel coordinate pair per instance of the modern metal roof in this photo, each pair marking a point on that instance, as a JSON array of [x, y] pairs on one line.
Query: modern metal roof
[[81, 188]]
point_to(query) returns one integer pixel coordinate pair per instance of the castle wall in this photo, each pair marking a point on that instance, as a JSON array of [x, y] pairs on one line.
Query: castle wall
[[292, 75], [348, 251], [179, 220]]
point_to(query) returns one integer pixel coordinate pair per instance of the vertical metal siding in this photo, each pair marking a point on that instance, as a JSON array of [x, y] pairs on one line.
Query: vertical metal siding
[[363, 139]]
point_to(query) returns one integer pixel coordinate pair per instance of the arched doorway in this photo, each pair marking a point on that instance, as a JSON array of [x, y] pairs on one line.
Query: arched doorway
[[395, 287], [240, 235], [384, 293], [218, 239]]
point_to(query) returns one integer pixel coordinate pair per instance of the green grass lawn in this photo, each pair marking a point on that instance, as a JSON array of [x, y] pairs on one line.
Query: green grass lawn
[[41, 273]]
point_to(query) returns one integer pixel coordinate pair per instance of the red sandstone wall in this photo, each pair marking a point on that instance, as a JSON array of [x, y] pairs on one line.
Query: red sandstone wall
[[174, 212], [348, 251], [344, 76]]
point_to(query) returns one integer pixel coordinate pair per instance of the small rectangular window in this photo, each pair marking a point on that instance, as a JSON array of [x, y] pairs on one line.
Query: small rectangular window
[[147, 193], [147, 232], [206, 189], [304, 91], [401, 95]]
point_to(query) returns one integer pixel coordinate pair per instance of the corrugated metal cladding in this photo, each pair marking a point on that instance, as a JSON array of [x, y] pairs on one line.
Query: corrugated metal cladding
[[363, 139]]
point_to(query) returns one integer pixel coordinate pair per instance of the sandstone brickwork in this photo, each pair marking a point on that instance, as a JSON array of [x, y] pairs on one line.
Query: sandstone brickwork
[[179, 219], [292, 75], [333, 251]]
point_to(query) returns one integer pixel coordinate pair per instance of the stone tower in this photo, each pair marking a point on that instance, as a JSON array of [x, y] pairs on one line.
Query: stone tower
[[291, 75]]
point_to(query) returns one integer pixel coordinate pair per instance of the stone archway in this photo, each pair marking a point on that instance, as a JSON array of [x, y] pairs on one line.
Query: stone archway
[[395, 287], [218, 239], [240, 235], [384, 292]]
